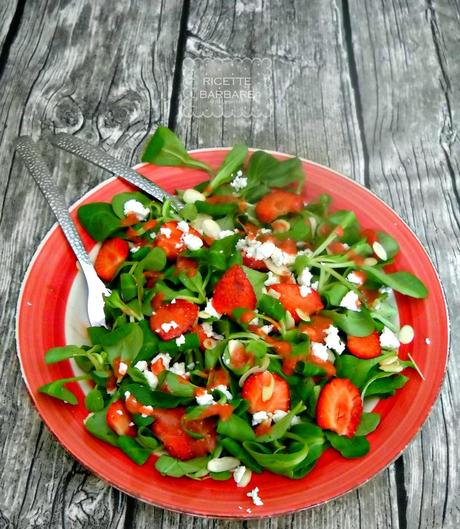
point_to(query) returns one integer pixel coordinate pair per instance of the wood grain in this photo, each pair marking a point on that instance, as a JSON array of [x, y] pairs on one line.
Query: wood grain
[[369, 89], [71, 69]]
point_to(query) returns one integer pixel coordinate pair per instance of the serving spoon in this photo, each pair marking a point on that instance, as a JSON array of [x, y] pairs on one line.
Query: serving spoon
[[29, 153]]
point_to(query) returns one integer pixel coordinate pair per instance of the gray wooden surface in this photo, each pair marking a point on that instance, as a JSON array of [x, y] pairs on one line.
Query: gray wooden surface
[[371, 89]]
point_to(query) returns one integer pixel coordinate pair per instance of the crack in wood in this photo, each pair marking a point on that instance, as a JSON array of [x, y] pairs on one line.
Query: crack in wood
[[401, 493], [11, 35], [354, 81], [177, 77]]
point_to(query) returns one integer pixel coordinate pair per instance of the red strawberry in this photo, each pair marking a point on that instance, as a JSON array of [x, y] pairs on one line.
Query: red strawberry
[[291, 298], [169, 239], [266, 391], [187, 265], [339, 407], [172, 320], [111, 256], [276, 204], [233, 290], [119, 419], [255, 264], [365, 346], [169, 428], [316, 328]]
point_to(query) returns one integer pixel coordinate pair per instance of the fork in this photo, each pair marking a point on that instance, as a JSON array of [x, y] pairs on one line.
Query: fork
[[28, 151]]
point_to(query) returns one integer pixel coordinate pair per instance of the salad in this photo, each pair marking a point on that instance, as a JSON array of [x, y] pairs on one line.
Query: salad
[[247, 331]]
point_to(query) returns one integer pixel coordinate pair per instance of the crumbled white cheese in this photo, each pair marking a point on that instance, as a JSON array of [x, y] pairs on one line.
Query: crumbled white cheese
[[183, 226], [178, 368], [427, 341], [295, 420], [209, 331], [153, 235], [151, 378], [122, 368], [272, 279], [305, 277], [277, 415], [254, 494], [354, 278], [167, 326], [205, 399], [193, 242], [267, 329], [134, 249], [261, 251], [305, 291], [165, 357], [239, 182], [319, 350], [137, 208], [141, 365], [226, 233], [211, 311], [259, 417], [388, 339], [350, 301], [180, 340], [223, 389], [127, 394], [166, 232], [333, 340]]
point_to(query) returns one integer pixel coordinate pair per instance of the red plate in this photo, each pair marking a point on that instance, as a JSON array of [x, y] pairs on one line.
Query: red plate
[[40, 325]]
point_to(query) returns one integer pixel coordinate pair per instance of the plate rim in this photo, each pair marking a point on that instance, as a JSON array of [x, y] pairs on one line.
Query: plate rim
[[244, 515]]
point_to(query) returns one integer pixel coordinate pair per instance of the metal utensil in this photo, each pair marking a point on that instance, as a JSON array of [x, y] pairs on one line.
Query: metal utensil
[[101, 159], [34, 162]]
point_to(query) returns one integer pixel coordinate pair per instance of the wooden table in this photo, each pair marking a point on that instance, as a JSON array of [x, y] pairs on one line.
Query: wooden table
[[371, 89]]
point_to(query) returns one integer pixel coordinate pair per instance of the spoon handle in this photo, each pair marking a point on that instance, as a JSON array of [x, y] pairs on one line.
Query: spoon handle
[[27, 150], [100, 158]]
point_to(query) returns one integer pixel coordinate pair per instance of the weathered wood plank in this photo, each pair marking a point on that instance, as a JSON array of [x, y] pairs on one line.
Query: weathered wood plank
[[73, 67], [408, 79], [7, 12], [315, 116]]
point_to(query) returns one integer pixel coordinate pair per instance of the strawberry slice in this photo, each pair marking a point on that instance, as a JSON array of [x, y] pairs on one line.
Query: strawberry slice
[[187, 265], [171, 320], [169, 427], [292, 299], [266, 391], [233, 290], [276, 204], [365, 346], [316, 328], [255, 264], [111, 256], [119, 419], [170, 239], [339, 407]]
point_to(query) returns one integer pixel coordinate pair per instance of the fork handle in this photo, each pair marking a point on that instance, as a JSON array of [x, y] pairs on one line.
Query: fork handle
[[34, 162], [100, 158]]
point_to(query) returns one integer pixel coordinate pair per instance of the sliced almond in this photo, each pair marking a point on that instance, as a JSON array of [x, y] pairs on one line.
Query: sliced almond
[[304, 316], [273, 293], [370, 261], [191, 196], [223, 464], [279, 270], [211, 228], [289, 320], [393, 368], [419, 371], [268, 386], [406, 334], [256, 369], [313, 224], [380, 251], [281, 226], [209, 343], [389, 361], [245, 478]]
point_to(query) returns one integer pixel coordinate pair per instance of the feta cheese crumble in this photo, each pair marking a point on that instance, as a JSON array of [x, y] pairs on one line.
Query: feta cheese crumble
[[354, 278], [204, 399], [388, 339], [166, 232], [209, 331], [305, 291], [427, 341], [277, 415], [167, 326], [136, 208], [254, 494], [164, 357], [261, 251], [211, 311], [226, 233], [259, 417], [178, 368], [151, 378], [193, 242], [305, 278], [319, 350], [180, 340], [223, 389], [239, 182], [267, 329], [183, 226], [122, 368], [333, 340], [272, 279], [351, 301]]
